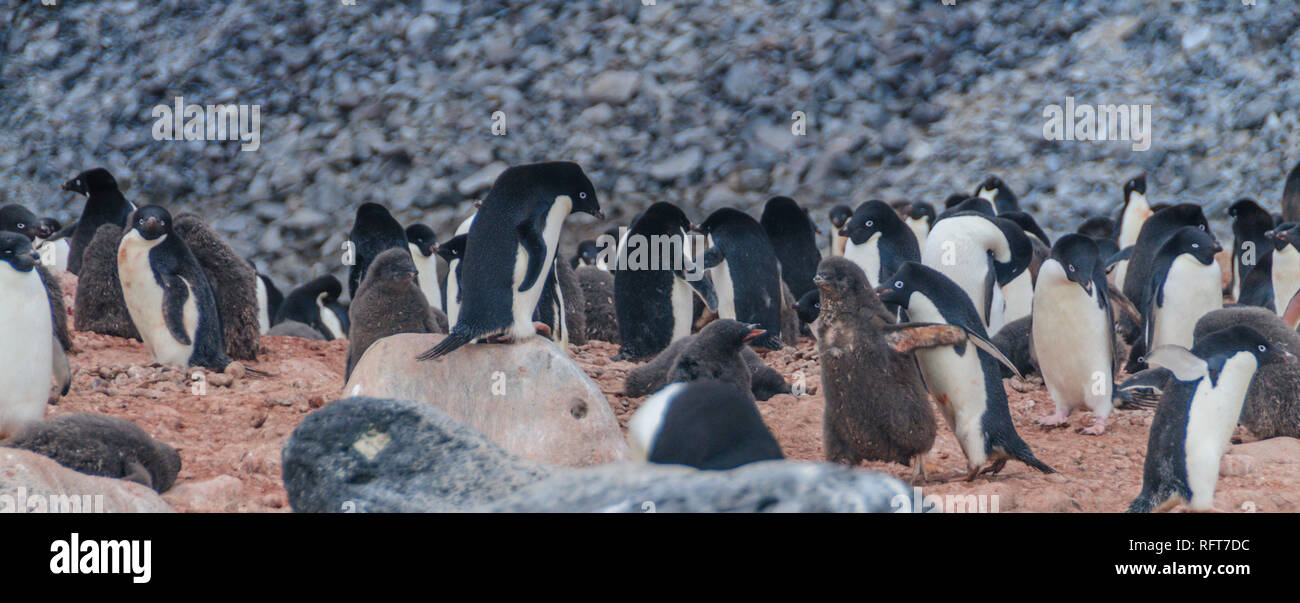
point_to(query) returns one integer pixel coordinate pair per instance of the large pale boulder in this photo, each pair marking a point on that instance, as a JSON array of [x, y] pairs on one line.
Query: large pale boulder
[[33, 483], [529, 398], [370, 455]]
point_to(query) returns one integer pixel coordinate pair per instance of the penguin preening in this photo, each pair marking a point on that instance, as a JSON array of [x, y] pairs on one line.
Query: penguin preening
[[656, 281], [423, 244], [168, 295], [965, 379], [27, 348], [840, 215], [105, 204], [703, 424], [374, 231], [316, 304], [794, 240], [510, 249], [879, 241], [1197, 413], [989, 259], [1073, 332], [746, 273]]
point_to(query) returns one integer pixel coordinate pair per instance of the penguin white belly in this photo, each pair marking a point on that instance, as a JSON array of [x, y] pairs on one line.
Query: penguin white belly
[[427, 267], [920, 228], [144, 302], [1072, 343], [721, 275], [523, 303], [26, 349], [958, 248], [329, 319], [1117, 274], [643, 428], [1191, 290], [1135, 215], [866, 256], [1019, 294], [263, 308], [453, 294], [683, 306], [1210, 421], [1286, 277], [957, 384], [464, 226]]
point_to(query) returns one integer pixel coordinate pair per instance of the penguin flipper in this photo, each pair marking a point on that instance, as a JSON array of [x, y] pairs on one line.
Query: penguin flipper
[[992, 350], [703, 287], [907, 337], [175, 293], [1180, 361], [713, 256], [530, 237], [1142, 390]]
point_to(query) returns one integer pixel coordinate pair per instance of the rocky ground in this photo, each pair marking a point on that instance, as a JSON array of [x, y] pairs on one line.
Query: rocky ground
[[230, 438], [684, 101]]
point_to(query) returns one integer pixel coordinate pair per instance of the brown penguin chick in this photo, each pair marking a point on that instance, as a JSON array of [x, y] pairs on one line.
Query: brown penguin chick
[[102, 445], [388, 302], [598, 296], [233, 281], [877, 408], [100, 306], [1271, 408], [691, 358], [575, 303]]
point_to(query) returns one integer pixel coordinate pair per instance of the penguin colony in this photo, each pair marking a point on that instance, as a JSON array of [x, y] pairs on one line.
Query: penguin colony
[[916, 311]]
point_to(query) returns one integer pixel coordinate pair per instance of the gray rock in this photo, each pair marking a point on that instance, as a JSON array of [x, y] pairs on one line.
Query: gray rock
[[677, 165], [528, 397], [43, 485], [612, 87], [420, 29], [481, 180]]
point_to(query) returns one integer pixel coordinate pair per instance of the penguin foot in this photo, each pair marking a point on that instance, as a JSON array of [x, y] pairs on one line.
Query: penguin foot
[[918, 469], [994, 468], [1098, 427], [543, 329], [1054, 421]]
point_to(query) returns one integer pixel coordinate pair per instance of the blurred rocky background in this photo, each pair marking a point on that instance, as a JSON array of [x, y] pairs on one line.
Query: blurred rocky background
[[688, 102]]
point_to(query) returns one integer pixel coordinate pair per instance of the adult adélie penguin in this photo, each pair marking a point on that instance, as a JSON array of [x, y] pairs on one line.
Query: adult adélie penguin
[[965, 380], [510, 248]]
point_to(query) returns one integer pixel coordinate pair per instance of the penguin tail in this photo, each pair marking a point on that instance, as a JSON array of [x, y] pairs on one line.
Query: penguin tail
[[448, 345], [1144, 503], [1028, 458], [1133, 399]]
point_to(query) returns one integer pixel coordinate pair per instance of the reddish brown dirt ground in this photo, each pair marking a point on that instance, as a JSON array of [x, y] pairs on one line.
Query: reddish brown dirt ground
[[230, 438]]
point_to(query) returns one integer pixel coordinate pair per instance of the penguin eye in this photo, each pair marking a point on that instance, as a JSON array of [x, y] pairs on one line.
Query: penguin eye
[[898, 284], [582, 195], [1196, 245], [870, 223], [1262, 347], [140, 221], [1071, 267], [1202, 227], [21, 225]]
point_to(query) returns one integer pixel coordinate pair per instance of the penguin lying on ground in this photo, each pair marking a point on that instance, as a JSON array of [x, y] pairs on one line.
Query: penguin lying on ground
[[965, 380], [704, 424], [100, 306], [104, 446], [1198, 411], [168, 295], [233, 281], [510, 249], [316, 304], [718, 351], [27, 347], [374, 231], [105, 204], [388, 302], [745, 271], [598, 295]]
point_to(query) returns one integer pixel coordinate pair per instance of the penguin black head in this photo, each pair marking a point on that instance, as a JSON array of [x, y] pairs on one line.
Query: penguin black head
[[16, 251], [152, 221], [809, 306], [910, 278], [1078, 255], [423, 238], [328, 284], [1193, 241], [1285, 234], [1248, 209], [16, 218], [393, 267], [922, 211], [47, 227], [723, 217], [842, 283], [1098, 227], [662, 218], [371, 216], [1135, 185], [783, 214], [840, 215], [1028, 224], [1222, 344], [970, 204], [870, 218], [901, 208], [729, 335], [91, 181], [587, 255], [453, 248], [555, 179], [991, 184], [954, 199]]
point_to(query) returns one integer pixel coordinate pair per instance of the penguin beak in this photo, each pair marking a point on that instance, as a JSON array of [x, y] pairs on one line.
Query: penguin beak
[[819, 280], [1087, 287], [478, 204], [844, 232], [754, 331], [600, 215], [1288, 357]]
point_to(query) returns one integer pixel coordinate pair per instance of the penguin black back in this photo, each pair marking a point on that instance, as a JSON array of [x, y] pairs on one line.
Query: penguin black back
[[1291, 196], [752, 269], [104, 205], [794, 240], [1250, 226], [706, 424], [999, 193], [643, 297], [1157, 229], [303, 305], [373, 231]]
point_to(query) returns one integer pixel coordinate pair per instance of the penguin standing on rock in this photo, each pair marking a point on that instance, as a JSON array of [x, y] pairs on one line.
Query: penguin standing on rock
[[965, 380], [316, 304], [105, 204], [655, 284], [1186, 284], [387, 303], [374, 231], [879, 242], [706, 424], [1198, 411], [840, 215], [27, 348], [168, 294], [746, 273], [1073, 332], [424, 252], [794, 239], [510, 250]]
